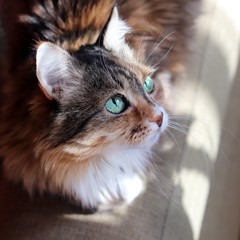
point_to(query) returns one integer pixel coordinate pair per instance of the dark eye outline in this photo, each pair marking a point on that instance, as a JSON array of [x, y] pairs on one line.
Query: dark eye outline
[[149, 78], [125, 103]]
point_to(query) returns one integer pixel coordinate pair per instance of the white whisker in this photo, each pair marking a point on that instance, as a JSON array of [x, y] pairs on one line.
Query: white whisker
[[178, 125], [155, 46], [178, 129], [175, 140], [158, 46], [163, 58], [160, 180], [181, 129]]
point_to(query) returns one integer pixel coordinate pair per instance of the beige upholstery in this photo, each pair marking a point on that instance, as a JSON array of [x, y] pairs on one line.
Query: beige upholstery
[[187, 201]]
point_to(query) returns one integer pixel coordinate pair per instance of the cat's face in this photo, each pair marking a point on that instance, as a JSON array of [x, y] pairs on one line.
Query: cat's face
[[106, 99]]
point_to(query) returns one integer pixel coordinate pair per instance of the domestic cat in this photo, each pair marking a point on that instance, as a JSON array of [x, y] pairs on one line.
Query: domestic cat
[[86, 91]]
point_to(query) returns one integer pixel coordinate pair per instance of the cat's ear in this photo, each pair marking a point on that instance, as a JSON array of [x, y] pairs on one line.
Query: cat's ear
[[113, 34], [55, 70]]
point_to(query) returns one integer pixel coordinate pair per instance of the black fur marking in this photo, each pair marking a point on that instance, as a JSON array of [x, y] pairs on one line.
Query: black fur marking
[[137, 129]]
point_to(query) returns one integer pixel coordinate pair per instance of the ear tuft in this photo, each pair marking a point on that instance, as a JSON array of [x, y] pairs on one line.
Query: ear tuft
[[114, 37]]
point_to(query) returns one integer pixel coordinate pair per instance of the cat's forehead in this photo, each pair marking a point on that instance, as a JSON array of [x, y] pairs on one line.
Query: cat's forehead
[[91, 49], [101, 66]]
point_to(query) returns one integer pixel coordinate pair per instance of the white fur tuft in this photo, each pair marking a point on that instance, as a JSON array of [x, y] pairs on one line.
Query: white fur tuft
[[109, 180], [114, 38]]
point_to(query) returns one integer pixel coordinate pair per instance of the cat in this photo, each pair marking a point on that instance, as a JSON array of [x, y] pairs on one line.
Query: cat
[[86, 93]]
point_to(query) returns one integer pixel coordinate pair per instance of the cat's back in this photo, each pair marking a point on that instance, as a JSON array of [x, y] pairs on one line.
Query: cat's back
[[76, 22], [70, 24]]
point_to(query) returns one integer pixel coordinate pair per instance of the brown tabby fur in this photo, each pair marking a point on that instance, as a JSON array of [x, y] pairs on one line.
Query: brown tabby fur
[[25, 146]]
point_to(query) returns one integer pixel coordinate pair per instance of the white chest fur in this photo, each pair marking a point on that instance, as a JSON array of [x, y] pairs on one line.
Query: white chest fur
[[110, 180]]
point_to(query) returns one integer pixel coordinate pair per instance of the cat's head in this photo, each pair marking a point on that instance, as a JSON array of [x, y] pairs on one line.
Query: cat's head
[[105, 97]]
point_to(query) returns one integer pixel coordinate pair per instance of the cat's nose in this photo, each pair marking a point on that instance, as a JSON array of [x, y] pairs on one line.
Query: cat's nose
[[158, 119]]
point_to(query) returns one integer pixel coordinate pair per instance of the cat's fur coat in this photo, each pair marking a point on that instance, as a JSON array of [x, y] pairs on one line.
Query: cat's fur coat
[[63, 60]]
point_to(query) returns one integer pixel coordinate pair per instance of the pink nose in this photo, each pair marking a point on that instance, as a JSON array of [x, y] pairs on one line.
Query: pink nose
[[158, 119]]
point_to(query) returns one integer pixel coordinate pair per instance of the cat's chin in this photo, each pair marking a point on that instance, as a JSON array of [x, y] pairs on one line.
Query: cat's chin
[[152, 141]]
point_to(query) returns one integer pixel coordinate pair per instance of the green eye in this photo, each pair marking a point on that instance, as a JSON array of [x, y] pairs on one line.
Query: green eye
[[148, 85], [115, 104]]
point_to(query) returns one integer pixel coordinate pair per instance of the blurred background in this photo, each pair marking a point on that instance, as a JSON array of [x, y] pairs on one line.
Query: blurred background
[[209, 171]]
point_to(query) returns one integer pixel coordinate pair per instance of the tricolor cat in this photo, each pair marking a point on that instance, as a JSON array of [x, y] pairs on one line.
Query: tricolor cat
[[84, 98]]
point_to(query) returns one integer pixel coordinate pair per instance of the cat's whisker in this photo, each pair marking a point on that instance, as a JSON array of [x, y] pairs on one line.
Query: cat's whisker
[[174, 123], [140, 45], [165, 134], [158, 159], [205, 157], [173, 117], [175, 140], [170, 114], [155, 65], [204, 122], [180, 118], [178, 125], [155, 48], [178, 129], [161, 181]]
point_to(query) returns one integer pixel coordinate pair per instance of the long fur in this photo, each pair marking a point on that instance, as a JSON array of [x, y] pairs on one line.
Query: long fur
[[57, 74]]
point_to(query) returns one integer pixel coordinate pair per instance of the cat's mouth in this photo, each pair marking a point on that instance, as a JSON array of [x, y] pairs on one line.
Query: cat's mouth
[[149, 135]]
